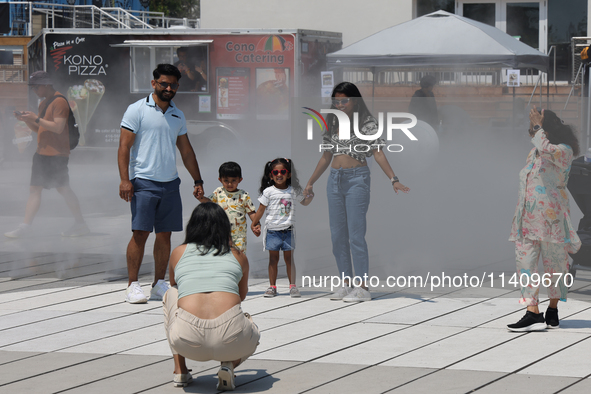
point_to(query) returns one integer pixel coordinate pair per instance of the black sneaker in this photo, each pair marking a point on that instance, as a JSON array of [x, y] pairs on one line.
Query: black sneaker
[[530, 322], [552, 318]]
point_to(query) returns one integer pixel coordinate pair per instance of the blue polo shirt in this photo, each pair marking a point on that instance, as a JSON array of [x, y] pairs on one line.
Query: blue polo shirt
[[153, 154]]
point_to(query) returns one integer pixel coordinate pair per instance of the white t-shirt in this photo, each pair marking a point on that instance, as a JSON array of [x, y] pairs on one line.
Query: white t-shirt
[[280, 205]]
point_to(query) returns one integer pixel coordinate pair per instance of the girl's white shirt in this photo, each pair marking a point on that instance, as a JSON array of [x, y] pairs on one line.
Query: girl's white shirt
[[280, 209]]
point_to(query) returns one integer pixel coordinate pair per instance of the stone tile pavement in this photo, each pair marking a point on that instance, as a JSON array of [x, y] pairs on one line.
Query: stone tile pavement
[[64, 326], [68, 330]]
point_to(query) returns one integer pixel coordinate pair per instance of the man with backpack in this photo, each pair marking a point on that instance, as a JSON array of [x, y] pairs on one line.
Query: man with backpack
[[50, 162]]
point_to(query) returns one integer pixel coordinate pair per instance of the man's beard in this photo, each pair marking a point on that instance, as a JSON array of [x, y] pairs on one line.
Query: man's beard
[[162, 97]]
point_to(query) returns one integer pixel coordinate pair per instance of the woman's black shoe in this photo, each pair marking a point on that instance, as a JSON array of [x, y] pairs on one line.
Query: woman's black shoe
[[552, 320], [530, 322]]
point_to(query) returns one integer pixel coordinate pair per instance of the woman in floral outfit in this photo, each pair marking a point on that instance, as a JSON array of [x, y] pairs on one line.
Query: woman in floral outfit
[[541, 225]]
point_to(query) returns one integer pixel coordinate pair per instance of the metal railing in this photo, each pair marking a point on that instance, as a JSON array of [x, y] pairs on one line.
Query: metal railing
[[539, 81], [553, 51], [90, 17], [577, 45], [12, 73], [473, 76], [572, 89]]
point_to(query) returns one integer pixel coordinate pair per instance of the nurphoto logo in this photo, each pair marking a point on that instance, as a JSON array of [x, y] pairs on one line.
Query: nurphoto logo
[[345, 130]]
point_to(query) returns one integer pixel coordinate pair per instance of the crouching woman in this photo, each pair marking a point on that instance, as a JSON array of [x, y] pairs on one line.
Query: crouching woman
[[202, 316]]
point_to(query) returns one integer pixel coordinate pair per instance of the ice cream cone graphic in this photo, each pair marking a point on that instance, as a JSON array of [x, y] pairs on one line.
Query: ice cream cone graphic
[[78, 95], [22, 136], [96, 90]]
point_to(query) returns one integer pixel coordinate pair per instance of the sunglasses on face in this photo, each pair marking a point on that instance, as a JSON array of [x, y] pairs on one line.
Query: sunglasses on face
[[165, 85], [342, 101], [277, 172]]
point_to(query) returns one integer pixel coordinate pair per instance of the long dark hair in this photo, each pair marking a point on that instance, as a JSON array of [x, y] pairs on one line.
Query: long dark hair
[[351, 91], [267, 181], [209, 228], [559, 132]]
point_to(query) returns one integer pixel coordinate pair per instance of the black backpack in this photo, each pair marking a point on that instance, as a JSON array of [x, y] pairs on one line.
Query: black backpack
[[72, 125]]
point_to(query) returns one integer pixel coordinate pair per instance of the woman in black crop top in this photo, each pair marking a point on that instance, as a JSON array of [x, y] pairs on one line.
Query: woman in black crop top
[[348, 187]]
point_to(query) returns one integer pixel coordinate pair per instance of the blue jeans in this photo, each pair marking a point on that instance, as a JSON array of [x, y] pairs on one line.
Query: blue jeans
[[280, 240], [348, 202]]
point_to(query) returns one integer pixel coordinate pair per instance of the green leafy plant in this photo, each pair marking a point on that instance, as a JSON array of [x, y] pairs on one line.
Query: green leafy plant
[[177, 8]]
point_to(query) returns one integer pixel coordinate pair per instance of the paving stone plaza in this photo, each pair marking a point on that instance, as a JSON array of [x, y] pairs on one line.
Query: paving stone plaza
[[65, 327]]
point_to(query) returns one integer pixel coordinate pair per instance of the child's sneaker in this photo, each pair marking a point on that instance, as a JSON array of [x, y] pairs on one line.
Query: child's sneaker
[[271, 292], [294, 292]]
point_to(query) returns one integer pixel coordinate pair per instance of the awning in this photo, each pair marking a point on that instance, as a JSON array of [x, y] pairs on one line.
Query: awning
[[162, 43], [439, 39]]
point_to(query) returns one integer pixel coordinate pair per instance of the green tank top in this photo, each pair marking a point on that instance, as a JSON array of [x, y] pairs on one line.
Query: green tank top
[[195, 273]]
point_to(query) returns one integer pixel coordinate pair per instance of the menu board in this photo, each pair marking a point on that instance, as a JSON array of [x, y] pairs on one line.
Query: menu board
[[272, 93], [232, 84]]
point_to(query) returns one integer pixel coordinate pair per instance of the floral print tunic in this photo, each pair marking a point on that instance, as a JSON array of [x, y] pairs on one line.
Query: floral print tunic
[[236, 205], [543, 212]]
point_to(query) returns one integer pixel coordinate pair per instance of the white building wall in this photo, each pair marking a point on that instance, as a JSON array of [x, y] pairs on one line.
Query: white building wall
[[356, 19]]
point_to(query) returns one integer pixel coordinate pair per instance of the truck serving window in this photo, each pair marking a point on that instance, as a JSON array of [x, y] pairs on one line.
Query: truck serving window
[[192, 62], [190, 56]]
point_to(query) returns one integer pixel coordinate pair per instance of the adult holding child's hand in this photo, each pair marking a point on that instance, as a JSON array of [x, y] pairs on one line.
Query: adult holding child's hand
[[348, 188], [152, 129]]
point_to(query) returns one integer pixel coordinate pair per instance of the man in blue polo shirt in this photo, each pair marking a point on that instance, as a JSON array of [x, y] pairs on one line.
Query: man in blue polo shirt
[[151, 130]]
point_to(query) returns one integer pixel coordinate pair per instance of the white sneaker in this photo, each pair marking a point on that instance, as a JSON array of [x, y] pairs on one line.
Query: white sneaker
[[134, 294], [226, 377], [357, 295], [22, 230], [77, 230], [158, 291], [341, 293], [182, 379]]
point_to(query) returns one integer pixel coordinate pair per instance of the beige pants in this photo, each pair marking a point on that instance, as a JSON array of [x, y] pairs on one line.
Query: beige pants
[[230, 336]]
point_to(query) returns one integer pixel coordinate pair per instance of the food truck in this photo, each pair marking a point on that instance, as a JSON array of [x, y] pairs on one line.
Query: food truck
[[232, 81]]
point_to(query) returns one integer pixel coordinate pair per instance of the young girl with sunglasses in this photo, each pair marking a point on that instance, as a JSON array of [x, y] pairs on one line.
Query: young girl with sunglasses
[[279, 189]]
